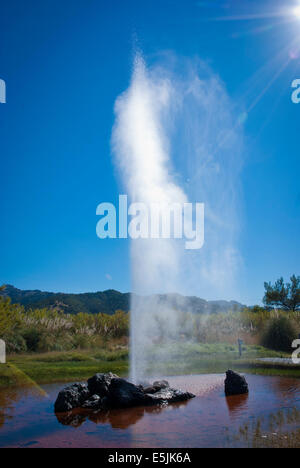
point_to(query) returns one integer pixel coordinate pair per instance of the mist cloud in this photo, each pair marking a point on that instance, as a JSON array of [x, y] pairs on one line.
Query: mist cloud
[[176, 139]]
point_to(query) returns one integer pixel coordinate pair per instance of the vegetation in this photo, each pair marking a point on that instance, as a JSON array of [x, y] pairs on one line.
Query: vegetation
[[285, 296], [279, 334], [44, 330], [277, 430], [47, 344], [35, 368], [61, 367]]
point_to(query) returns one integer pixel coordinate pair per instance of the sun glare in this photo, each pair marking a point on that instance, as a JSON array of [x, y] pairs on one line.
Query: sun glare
[[296, 12]]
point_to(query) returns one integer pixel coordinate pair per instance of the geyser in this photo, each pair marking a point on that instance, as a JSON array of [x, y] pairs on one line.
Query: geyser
[[168, 112]]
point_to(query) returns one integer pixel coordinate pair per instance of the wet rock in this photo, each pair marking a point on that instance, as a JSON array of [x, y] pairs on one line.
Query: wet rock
[[107, 391], [155, 387], [160, 384], [94, 403], [71, 397], [169, 395], [123, 394], [149, 390], [99, 384], [235, 384]]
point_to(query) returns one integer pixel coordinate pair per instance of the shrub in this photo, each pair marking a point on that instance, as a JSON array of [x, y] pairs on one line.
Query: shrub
[[15, 343], [82, 341], [33, 338], [50, 342], [279, 334], [118, 355]]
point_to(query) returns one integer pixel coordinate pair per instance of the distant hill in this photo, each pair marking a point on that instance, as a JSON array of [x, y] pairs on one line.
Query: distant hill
[[109, 301], [106, 302]]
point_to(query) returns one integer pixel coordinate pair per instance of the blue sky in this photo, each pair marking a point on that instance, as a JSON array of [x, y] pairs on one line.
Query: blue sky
[[65, 63]]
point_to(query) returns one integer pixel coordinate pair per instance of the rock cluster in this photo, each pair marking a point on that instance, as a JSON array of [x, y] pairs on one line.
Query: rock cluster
[[104, 391]]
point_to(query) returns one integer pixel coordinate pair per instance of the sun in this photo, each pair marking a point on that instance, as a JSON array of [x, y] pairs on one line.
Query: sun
[[296, 11]]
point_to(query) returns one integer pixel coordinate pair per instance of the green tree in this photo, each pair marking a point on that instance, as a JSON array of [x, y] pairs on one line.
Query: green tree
[[279, 334], [285, 296], [10, 322]]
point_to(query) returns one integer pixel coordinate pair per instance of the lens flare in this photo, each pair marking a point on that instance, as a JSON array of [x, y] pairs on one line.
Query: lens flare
[[296, 11]]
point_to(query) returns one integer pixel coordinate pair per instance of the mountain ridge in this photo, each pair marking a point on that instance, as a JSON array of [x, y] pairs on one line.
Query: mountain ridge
[[110, 300]]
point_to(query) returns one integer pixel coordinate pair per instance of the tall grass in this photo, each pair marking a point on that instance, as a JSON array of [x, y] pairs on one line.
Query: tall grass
[[44, 330]]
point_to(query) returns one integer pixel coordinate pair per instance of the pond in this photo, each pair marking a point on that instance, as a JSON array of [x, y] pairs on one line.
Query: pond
[[265, 416]]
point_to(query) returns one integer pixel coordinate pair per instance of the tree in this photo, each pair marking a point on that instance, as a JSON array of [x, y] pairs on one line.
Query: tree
[[285, 296], [9, 315], [279, 334]]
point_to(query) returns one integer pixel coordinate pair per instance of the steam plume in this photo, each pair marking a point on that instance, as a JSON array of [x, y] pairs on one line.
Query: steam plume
[[170, 117]]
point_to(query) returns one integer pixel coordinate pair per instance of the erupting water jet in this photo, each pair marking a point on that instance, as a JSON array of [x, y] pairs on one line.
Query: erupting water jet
[[165, 119]]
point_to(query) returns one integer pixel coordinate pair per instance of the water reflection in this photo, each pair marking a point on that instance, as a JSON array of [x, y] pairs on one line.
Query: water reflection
[[117, 419], [286, 388], [10, 397], [209, 420], [237, 404], [6, 405]]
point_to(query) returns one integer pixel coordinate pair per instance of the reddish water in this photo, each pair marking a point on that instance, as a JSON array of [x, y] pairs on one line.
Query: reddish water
[[209, 420]]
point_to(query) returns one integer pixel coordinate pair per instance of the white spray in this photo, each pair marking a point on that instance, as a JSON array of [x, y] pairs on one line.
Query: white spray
[[153, 122]]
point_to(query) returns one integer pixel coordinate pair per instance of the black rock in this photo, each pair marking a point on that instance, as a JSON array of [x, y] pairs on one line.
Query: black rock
[[156, 386], [106, 391], [95, 403], [123, 394], [99, 384], [160, 384], [71, 397], [169, 395], [235, 384], [150, 389]]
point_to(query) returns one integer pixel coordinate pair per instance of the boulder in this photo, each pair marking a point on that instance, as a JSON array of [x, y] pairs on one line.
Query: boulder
[[106, 391], [123, 394], [94, 403], [159, 384], [235, 384], [169, 395], [71, 397], [149, 389], [99, 384], [156, 386]]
